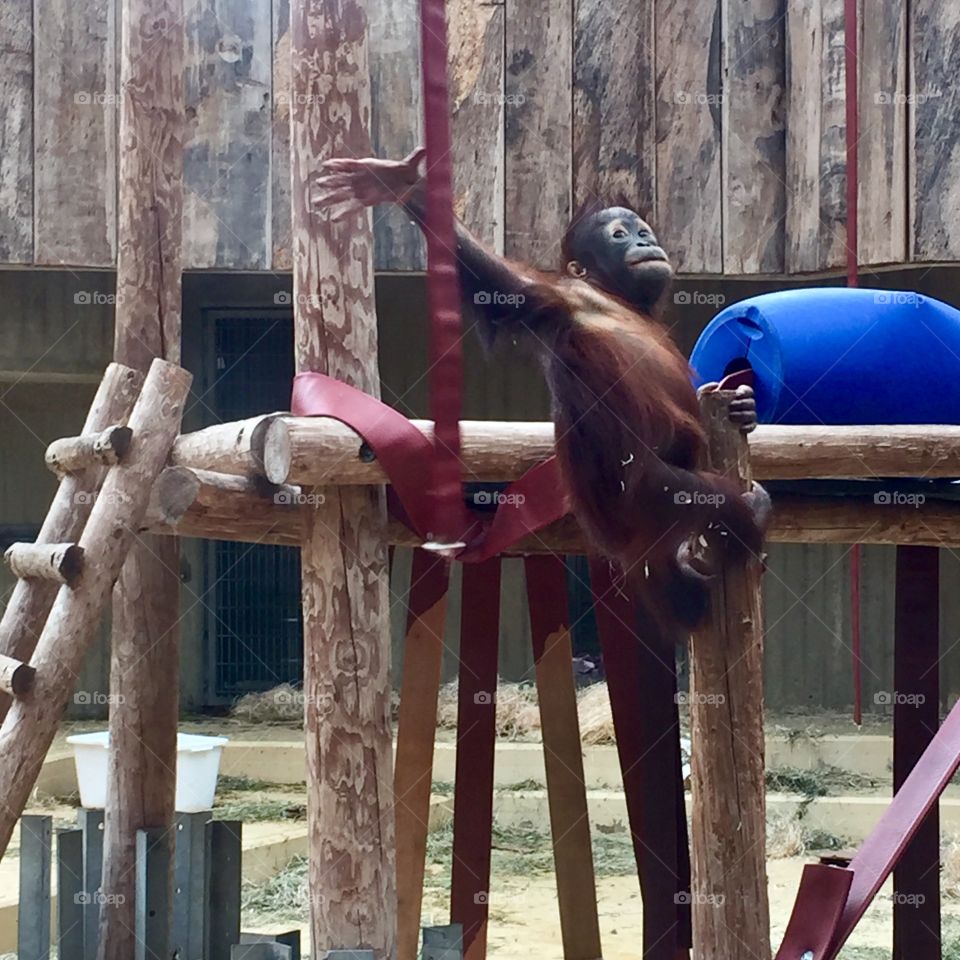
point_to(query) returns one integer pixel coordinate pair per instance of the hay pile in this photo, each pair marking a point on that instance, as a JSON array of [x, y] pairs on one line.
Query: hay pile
[[518, 716], [283, 704]]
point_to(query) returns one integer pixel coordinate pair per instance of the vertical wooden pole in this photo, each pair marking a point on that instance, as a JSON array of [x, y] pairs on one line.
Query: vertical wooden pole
[[563, 757], [353, 899], [144, 668], [416, 732], [731, 916]]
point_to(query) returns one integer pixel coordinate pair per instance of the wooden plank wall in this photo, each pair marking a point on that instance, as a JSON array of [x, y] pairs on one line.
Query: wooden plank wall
[[754, 138], [539, 129], [16, 132], [228, 91], [722, 121], [396, 120], [614, 130], [689, 97], [75, 117], [934, 141]]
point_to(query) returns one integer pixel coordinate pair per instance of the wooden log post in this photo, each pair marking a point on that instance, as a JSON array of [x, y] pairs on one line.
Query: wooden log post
[[731, 916], [144, 665], [31, 723], [353, 899], [28, 606]]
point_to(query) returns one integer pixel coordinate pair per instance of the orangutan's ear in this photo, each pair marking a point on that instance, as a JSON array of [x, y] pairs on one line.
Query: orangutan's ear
[[576, 269]]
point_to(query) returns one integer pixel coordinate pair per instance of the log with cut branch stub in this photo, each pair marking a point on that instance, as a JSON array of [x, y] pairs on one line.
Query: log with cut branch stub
[[16, 677], [88, 450], [60, 562]]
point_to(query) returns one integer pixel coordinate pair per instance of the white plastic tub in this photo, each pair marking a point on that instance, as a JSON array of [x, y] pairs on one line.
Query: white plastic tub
[[198, 767]]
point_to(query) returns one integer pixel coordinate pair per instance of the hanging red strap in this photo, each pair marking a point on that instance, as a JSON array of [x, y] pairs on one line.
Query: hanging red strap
[[448, 517], [851, 32]]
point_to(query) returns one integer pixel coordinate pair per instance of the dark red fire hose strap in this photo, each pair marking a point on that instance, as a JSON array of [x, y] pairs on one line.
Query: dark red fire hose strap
[[399, 446], [447, 515], [877, 856], [537, 499]]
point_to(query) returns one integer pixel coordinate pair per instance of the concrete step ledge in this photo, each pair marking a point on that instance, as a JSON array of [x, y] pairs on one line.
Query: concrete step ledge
[[283, 761], [851, 818]]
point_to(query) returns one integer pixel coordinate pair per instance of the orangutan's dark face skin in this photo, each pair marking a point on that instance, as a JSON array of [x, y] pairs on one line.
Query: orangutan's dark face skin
[[615, 250]]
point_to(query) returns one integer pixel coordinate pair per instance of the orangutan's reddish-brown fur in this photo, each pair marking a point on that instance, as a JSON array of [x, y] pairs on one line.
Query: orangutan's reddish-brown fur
[[630, 442]]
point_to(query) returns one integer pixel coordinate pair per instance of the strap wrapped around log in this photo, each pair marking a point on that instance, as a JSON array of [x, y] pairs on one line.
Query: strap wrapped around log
[[16, 678], [106, 448], [62, 562]]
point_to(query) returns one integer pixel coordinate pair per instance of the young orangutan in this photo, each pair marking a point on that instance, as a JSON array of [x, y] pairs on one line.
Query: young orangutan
[[629, 436]]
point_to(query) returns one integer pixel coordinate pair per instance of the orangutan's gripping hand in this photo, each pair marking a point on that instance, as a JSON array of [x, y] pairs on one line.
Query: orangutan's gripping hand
[[743, 407], [345, 186]]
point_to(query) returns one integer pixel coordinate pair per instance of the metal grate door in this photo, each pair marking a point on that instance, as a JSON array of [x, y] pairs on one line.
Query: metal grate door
[[254, 629]]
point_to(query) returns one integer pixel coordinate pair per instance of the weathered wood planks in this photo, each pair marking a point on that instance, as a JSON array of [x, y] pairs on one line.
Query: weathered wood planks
[[280, 138], [816, 131], [883, 131], [688, 211], [721, 121], [75, 132], [396, 121], [16, 132], [754, 142], [614, 122], [538, 129], [935, 131], [227, 89], [477, 109]]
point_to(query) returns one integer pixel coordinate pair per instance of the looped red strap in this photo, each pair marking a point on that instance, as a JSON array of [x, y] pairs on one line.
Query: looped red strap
[[535, 500]]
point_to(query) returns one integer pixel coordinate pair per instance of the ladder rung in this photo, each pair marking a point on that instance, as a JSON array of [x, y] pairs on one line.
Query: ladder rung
[[16, 678], [106, 448], [62, 562]]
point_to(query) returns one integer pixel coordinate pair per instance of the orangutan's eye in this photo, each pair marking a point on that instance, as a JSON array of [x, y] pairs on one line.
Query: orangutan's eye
[[619, 233]]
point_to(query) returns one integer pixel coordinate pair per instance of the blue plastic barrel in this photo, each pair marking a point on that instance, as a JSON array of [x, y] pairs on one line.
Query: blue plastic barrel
[[834, 355]]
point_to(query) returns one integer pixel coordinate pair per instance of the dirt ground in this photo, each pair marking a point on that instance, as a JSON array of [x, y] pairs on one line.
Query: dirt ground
[[523, 911], [524, 921]]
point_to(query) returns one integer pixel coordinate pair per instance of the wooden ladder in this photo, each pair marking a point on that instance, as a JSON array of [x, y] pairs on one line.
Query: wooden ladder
[[65, 579]]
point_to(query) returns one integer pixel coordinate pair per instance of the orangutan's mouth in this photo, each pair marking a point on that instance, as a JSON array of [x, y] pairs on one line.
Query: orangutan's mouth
[[649, 255]]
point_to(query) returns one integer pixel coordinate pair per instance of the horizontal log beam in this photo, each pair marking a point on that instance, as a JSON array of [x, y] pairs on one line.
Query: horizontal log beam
[[237, 508], [61, 562], [226, 507], [319, 451], [235, 447], [104, 449], [808, 452]]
